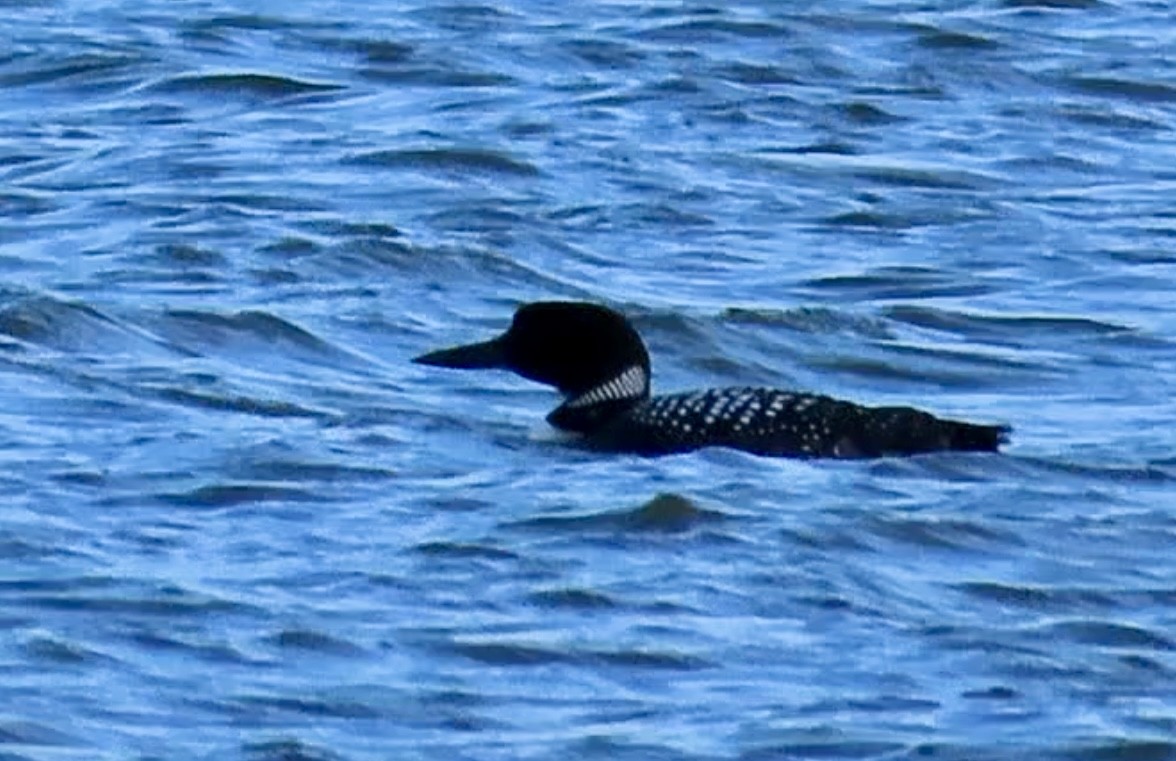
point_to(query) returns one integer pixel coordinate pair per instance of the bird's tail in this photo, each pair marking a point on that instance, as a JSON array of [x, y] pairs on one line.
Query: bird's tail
[[907, 431], [974, 437]]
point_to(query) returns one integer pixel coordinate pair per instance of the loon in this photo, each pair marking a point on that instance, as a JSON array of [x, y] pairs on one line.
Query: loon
[[597, 360]]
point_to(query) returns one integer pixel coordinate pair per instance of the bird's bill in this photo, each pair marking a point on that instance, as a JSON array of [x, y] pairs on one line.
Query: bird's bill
[[468, 357]]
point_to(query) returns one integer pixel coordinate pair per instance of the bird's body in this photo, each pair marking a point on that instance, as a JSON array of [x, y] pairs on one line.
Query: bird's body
[[596, 358], [767, 421]]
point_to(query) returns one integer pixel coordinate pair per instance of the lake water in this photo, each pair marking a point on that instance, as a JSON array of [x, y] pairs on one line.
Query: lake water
[[237, 522]]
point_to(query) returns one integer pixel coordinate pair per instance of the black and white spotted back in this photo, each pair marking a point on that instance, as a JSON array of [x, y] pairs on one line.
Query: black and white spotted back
[[774, 422]]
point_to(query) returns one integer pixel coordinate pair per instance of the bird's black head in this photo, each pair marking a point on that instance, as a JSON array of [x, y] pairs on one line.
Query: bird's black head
[[574, 346]]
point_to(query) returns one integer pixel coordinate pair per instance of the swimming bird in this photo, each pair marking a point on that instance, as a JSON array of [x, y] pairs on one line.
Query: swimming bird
[[594, 357]]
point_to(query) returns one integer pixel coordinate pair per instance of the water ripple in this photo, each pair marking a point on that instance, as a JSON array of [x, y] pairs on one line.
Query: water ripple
[[665, 512], [243, 85], [456, 160]]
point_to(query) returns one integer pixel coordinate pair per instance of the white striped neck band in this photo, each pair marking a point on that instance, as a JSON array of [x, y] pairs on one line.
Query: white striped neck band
[[633, 383]]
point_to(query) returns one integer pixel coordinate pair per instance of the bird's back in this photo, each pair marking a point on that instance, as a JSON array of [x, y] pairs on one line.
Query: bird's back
[[781, 423]]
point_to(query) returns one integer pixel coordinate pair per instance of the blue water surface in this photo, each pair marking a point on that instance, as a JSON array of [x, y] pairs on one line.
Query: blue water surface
[[237, 522]]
